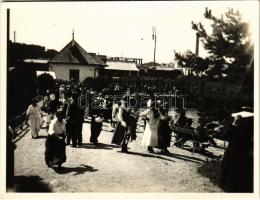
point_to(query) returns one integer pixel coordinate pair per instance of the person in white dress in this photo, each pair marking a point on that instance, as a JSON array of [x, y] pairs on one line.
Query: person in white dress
[[33, 113], [150, 137], [115, 111]]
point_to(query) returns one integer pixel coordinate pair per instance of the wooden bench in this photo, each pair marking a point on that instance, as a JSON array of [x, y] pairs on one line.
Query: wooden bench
[[192, 135]]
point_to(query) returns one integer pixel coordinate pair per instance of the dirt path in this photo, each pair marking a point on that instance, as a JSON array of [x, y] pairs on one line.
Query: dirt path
[[106, 169]]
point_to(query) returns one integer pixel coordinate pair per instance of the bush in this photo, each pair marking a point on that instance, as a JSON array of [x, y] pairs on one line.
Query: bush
[[44, 82]]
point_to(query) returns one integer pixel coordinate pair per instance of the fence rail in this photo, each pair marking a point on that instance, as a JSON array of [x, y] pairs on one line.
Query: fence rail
[[18, 123]]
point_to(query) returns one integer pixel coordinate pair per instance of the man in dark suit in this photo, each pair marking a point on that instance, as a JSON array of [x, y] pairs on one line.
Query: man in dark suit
[[75, 119]]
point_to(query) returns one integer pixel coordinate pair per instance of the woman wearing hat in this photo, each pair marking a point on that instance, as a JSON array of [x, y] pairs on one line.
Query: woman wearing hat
[[121, 136], [237, 167], [150, 137]]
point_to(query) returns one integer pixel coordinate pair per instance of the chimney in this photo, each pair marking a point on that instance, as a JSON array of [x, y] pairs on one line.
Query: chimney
[[197, 44]]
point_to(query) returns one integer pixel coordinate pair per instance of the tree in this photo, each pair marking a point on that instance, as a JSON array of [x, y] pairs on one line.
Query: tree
[[45, 82], [189, 60], [229, 46], [89, 82], [17, 52]]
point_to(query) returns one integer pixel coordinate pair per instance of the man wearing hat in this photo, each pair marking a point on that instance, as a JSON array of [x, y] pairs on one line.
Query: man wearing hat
[[121, 135]]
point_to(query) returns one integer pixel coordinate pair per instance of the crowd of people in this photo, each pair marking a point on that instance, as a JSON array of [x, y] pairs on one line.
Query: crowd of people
[[65, 117]]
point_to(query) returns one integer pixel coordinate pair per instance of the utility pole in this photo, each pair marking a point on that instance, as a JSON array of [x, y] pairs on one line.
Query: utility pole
[[154, 38], [8, 38], [14, 36], [8, 25]]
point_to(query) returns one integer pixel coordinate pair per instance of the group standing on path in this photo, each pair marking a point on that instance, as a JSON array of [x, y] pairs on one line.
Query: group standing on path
[[70, 118], [64, 124], [157, 132]]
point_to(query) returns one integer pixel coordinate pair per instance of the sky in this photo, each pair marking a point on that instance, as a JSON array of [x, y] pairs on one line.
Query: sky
[[120, 28]]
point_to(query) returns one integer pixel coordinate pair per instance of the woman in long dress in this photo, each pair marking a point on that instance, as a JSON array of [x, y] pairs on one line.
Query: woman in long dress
[[34, 115], [115, 111], [150, 137], [55, 153], [164, 131], [237, 174], [121, 134]]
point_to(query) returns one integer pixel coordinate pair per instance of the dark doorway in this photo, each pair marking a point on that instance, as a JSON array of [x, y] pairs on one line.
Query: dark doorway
[[74, 74]]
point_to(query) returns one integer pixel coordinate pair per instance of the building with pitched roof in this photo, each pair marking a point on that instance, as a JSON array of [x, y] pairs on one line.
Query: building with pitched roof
[[73, 62]]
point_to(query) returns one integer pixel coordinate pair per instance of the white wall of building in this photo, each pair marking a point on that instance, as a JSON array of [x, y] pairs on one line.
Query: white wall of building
[[62, 71]]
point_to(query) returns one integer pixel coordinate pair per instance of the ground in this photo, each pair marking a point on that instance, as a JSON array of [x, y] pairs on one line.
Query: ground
[[106, 169]]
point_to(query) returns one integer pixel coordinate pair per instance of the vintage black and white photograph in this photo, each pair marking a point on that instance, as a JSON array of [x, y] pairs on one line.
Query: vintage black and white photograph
[[131, 97]]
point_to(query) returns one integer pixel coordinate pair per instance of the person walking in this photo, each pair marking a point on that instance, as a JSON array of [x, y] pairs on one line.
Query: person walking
[[115, 111], [150, 137], [55, 152], [121, 134], [75, 118], [164, 131], [95, 128], [53, 104], [33, 113]]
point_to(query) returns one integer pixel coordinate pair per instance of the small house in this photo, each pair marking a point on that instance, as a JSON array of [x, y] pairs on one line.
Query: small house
[[73, 62]]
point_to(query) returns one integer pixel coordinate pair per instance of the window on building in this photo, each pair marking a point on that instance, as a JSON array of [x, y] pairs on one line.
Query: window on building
[[74, 74]]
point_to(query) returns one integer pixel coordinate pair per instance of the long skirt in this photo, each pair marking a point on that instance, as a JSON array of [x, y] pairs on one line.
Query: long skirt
[[150, 137], [164, 134], [34, 125], [55, 152], [236, 173], [119, 134], [107, 114], [132, 128], [95, 129]]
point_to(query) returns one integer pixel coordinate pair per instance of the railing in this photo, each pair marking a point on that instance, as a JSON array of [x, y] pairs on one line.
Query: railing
[[18, 123]]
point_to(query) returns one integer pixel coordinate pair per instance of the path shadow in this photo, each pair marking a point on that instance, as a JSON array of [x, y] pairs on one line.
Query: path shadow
[[148, 155], [104, 125], [99, 146], [211, 170], [203, 152], [30, 184], [109, 131], [185, 158], [41, 137], [21, 135], [78, 170]]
